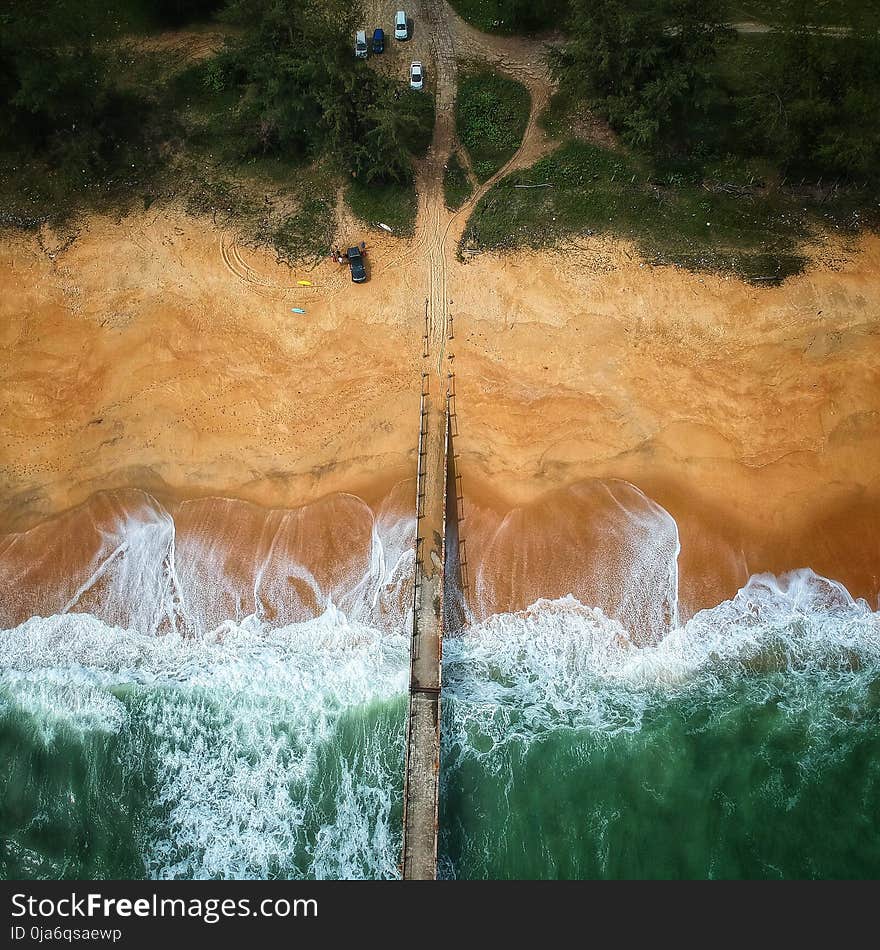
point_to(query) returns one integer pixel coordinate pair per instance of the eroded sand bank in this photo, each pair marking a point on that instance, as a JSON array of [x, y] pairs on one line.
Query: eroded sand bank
[[153, 353]]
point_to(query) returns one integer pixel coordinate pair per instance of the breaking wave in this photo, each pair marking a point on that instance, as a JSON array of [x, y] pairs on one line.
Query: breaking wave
[[233, 704]]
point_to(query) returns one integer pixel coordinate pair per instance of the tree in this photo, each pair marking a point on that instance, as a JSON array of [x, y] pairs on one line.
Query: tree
[[532, 16], [61, 102], [814, 104], [305, 95], [178, 12], [294, 64], [644, 64], [390, 128]]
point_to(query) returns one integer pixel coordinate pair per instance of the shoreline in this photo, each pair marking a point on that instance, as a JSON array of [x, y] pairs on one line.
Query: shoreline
[[138, 357], [607, 542]]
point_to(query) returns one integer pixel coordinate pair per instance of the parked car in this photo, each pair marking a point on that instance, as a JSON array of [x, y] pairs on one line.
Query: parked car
[[378, 41], [355, 257], [360, 45], [416, 76], [401, 26]]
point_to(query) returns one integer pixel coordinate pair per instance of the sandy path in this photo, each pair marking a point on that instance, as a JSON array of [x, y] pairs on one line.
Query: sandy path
[[754, 26], [438, 230], [433, 223]]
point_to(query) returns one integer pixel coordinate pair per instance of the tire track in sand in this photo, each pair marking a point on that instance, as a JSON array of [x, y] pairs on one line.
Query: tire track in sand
[[435, 225]]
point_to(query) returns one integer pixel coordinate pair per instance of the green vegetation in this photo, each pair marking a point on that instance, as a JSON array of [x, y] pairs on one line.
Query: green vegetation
[[512, 16], [816, 13], [301, 94], [805, 102], [762, 135], [556, 119], [737, 147], [456, 183], [67, 124], [391, 203], [644, 67], [672, 81], [261, 133], [378, 199], [116, 17], [673, 221], [491, 115]]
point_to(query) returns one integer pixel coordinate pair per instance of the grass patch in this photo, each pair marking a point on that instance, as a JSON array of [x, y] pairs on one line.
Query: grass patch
[[456, 183], [818, 12], [491, 115], [391, 204], [512, 16], [759, 237], [485, 15], [557, 118], [306, 233]]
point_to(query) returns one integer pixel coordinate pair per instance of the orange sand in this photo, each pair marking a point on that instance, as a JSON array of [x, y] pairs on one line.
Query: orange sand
[[155, 353]]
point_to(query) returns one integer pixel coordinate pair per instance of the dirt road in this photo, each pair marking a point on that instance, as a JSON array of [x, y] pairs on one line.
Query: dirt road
[[438, 230]]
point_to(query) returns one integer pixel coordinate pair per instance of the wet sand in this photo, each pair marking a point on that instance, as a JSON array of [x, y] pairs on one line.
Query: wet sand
[[155, 354], [129, 560]]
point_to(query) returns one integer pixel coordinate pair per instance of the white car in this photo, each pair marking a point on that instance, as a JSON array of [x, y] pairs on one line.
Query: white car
[[401, 26], [416, 76]]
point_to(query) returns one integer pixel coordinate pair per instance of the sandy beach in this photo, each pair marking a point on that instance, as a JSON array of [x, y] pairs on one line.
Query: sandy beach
[[607, 412], [750, 414], [154, 353]]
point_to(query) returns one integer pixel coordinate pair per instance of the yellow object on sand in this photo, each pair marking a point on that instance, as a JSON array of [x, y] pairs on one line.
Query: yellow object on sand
[[304, 283]]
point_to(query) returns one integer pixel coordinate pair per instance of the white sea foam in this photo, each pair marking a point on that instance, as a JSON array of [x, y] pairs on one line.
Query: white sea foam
[[612, 545], [237, 714], [237, 721], [55, 705], [560, 664], [247, 721]]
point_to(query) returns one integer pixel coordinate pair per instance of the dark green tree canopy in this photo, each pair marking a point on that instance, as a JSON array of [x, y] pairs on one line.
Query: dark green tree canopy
[[815, 104], [305, 95], [61, 101], [287, 75], [643, 64]]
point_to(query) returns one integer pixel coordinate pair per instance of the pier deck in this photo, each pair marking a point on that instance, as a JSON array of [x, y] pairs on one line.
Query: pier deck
[[419, 858]]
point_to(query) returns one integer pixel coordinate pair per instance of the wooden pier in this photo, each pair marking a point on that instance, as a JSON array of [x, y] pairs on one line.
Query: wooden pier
[[420, 795]]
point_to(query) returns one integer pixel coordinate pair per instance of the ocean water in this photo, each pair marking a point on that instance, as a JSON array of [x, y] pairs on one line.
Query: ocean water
[[141, 736], [744, 744]]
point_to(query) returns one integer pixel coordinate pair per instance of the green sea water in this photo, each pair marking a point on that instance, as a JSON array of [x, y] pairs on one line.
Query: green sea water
[[745, 744], [756, 784]]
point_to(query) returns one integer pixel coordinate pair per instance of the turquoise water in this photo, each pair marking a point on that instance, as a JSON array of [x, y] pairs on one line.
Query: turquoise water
[[745, 744]]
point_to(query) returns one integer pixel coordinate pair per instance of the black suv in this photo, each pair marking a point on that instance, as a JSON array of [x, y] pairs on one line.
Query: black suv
[[355, 257]]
